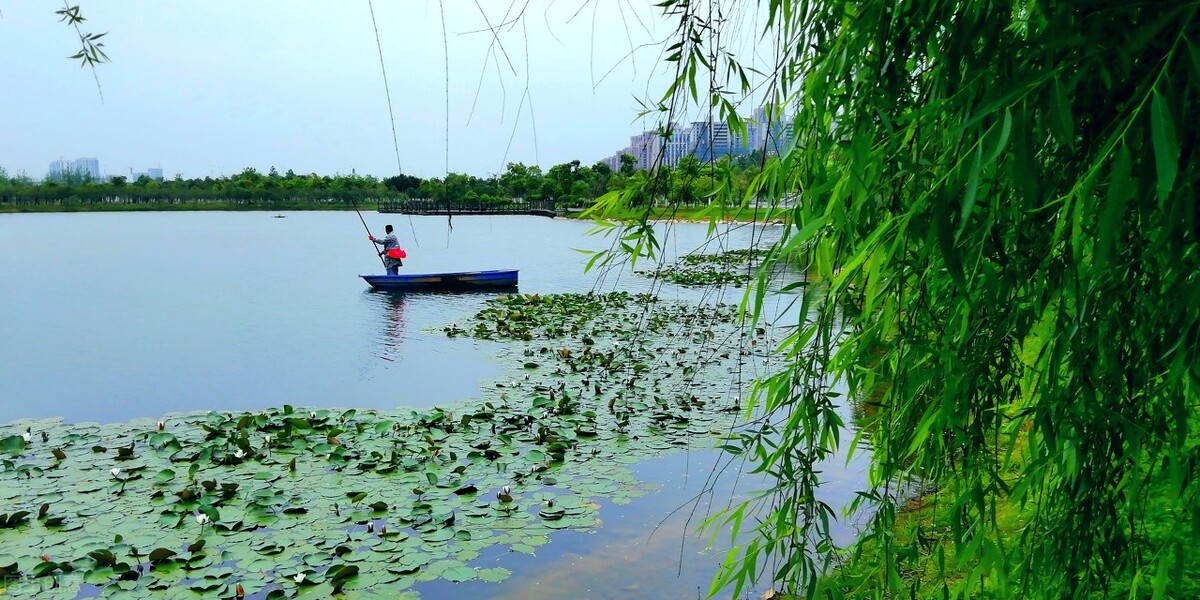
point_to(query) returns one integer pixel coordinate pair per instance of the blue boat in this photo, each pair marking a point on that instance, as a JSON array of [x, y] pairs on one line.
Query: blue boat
[[444, 282]]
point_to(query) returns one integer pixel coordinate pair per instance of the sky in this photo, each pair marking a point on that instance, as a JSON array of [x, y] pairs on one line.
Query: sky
[[210, 88]]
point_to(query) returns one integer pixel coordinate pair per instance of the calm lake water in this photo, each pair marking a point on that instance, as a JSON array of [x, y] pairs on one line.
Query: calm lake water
[[110, 316], [113, 316]]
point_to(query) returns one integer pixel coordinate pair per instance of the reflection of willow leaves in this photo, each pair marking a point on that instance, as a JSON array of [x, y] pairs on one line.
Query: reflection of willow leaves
[[286, 500]]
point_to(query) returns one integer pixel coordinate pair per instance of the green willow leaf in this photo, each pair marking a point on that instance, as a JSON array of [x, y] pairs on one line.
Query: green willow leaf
[[1002, 138], [1121, 189], [972, 190], [1062, 123], [1166, 147]]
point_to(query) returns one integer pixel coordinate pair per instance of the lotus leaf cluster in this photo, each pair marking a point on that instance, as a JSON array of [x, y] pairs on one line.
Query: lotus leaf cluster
[[733, 267], [294, 502]]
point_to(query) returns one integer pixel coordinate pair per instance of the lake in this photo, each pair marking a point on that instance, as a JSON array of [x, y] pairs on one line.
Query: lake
[[110, 316], [116, 316]]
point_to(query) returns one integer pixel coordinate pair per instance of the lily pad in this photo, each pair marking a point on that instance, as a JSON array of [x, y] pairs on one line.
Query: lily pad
[[459, 574], [282, 492]]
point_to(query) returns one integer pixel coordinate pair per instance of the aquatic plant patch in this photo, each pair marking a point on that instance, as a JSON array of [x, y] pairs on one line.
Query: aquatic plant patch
[[292, 503], [658, 374], [733, 267], [280, 501]]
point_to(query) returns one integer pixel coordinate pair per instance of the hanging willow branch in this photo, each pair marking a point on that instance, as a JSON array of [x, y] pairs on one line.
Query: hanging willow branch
[[997, 204], [91, 51]]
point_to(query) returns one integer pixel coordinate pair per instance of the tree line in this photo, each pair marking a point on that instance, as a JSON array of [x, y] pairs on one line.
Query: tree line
[[569, 184]]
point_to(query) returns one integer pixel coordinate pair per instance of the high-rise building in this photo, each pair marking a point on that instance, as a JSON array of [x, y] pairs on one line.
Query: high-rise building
[[59, 169], [768, 129], [151, 173], [678, 144], [78, 168], [710, 140], [644, 147], [614, 161], [89, 167]]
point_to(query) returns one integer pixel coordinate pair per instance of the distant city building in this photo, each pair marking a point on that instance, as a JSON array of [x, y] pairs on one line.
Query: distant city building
[[87, 166], [59, 168], [151, 173], [679, 145], [644, 147], [758, 127], [78, 168], [711, 141], [614, 162], [766, 129]]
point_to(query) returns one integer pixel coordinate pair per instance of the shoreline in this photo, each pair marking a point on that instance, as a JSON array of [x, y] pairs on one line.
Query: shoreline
[[689, 215]]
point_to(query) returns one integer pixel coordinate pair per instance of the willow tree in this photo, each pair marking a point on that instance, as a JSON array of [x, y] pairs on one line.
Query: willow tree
[[998, 203]]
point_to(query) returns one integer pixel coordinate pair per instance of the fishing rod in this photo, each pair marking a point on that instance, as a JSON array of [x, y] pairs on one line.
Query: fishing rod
[[387, 90], [369, 234]]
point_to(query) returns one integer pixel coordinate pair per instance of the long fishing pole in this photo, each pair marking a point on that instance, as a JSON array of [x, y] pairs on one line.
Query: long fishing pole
[[387, 90], [369, 234]]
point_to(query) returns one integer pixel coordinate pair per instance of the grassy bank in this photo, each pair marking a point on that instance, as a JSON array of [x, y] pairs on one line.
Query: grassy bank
[[925, 557], [922, 543]]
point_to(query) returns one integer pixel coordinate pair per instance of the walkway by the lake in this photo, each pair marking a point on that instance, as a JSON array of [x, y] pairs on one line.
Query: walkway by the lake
[[543, 208]]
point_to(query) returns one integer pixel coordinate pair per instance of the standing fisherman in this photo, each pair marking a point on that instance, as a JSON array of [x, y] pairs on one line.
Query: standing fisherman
[[391, 251]]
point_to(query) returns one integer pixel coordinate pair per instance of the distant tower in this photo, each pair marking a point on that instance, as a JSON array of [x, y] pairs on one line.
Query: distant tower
[[59, 168], [87, 166], [678, 144], [644, 147]]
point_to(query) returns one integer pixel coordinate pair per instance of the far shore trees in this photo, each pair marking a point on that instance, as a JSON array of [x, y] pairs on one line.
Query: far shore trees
[[568, 185]]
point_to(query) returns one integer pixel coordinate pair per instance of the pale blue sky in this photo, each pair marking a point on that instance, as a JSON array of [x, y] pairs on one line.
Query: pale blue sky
[[208, 88]]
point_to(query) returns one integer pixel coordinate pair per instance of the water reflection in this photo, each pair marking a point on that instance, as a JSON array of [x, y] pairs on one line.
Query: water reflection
[[391, 304], [404, 351], [652, 547]]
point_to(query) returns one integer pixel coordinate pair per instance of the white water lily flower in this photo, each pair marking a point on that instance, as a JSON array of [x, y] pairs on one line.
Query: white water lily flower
[[239, 453], [312, 414], [267, 439], [201, 518], [115, 471], [28, 436], [299, 577], [161, 426]]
